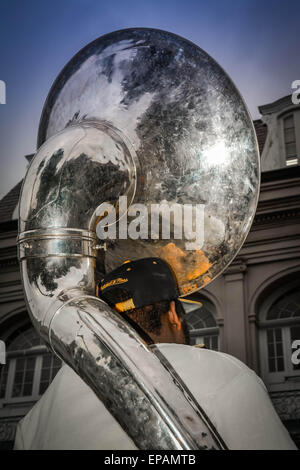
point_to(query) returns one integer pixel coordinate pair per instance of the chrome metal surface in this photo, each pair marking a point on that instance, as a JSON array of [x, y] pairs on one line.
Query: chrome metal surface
[[186, 133], [146, 114], [58, 251]]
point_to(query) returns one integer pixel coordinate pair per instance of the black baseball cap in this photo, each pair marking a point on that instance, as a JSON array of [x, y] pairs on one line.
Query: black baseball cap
[[136, 284]]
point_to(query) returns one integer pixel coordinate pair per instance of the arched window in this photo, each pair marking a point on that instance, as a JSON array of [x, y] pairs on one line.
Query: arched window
[[279, 328], [29, 368], [202, 323]]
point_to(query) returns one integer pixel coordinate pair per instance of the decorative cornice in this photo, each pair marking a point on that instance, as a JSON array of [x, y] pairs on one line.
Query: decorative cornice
[[270, 218], [278, 204], [9, 226], [236, 267], [9, 263], [280, 178], [8, 252], [276, 106]]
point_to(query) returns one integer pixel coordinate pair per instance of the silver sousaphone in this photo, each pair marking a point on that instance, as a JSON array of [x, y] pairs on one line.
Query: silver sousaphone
[[145, 116]]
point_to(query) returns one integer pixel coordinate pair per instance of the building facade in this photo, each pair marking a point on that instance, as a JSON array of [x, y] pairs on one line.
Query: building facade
[[251, 311]]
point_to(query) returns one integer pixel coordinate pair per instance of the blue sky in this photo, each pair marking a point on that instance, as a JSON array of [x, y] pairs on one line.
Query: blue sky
[[256, 42]]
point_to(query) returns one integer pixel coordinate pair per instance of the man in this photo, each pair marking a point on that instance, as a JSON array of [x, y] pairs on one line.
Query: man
[[70, 416]]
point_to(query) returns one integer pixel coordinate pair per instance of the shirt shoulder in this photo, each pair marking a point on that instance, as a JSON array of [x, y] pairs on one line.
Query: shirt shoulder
[[70, 416], [232, 395], [217, 369]]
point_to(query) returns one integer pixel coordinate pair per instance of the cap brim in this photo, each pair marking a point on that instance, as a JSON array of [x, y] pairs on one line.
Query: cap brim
[[188, 301]]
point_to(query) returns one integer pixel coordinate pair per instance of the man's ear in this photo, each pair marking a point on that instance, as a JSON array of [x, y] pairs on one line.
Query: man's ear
[[173, 317]]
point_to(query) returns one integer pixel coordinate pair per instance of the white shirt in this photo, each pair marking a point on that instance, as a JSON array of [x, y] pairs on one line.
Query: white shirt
[[70, 416]]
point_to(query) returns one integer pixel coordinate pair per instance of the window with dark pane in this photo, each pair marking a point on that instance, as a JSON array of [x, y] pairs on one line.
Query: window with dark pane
[[211, 342], [23, 379], [3, 379], [25, 340], [200, 318], [290, 141], [50, 366], [275, 350], [287, 306], [30, 368], [202, 324]]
